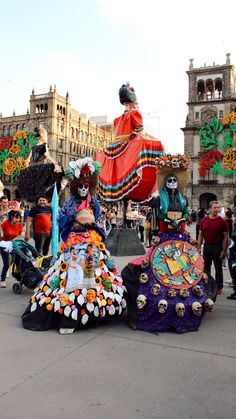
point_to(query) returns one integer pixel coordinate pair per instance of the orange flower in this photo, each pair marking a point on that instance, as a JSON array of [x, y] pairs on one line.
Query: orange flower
[[98, 280], [101, 246], [109, 301], [61, 247], [32, 300], [63, 267], [100, 264], [45, 288], [60, 311], [47, 300], [49, 307], [63, 283], [77, 292]]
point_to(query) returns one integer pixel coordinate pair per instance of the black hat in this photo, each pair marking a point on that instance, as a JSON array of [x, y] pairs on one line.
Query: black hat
[[127, 94]]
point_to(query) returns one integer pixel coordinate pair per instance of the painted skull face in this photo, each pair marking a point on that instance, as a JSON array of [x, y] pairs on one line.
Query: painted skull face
[[171, 182], [83, 189]]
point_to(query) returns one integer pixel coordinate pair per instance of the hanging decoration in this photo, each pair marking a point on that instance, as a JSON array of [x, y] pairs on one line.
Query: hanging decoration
[[219, 141], [15, 152]]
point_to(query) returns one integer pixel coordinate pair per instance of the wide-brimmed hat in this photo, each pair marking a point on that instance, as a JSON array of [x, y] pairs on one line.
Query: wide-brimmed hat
[[176, 165]]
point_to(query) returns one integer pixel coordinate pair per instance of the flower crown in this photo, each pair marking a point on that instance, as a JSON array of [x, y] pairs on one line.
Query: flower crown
[[178, 161], [82, 168]]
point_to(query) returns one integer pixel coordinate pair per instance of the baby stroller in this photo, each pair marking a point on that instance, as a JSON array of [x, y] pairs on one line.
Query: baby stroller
[[28, 267]]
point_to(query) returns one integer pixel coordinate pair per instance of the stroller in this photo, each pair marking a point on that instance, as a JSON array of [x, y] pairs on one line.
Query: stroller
[[28, 267]]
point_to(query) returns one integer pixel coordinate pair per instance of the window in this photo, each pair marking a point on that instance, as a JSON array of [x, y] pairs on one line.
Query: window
[[60, 143], [197, 116], [59, 158], [221, 114], [18, 127]]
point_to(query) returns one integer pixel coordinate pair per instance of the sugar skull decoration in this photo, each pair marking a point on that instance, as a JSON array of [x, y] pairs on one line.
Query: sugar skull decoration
[[83, 176], [184, 293], [180, 309], [143, 278], [156, 289], [171, 182], [208, 305], [197, 290], [197, 308], [171, 293], [141, 301], [162, 306]]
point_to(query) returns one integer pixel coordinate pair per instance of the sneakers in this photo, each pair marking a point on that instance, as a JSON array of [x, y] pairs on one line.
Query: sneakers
[[232, 296], [66, 331], [220, 291], [3, 284]]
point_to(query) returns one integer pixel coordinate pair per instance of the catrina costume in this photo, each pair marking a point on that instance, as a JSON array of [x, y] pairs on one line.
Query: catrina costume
[[128, 165], [83, 284], [39, 178], [167, 288]]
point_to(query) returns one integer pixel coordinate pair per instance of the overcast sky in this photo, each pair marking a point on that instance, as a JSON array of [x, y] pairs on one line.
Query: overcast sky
[[91, 47]]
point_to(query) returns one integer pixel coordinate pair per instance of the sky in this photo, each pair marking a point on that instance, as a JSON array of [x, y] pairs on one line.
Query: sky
[[91, 47]]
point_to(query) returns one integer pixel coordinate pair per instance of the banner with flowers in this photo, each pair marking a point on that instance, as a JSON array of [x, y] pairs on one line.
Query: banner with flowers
[[15, 152], [219, 141]]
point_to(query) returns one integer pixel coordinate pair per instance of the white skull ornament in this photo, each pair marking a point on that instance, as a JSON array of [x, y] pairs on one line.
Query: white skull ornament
[[184, 293], [162, 306], [180, 309], [197, 291], [141, 301], [143, 278], [171, 293], [209, 304], [156, 289], [197, 308]]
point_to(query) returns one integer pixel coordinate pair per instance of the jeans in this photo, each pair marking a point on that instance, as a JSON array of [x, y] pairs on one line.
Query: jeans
[[42, 243], [6, 263], [211, 253]]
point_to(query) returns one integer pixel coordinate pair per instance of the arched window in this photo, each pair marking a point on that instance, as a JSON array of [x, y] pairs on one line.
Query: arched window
[[11, 131], [77, 133], [41, 108], [209, 89], [82, 135], [46, 107], [24, 127], [72, 132], [200, 90], [18, 127], [4, 131], [218, 88], [37, 109]]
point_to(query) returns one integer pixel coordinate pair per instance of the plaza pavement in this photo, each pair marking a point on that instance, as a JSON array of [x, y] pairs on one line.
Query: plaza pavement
[[113, 372]]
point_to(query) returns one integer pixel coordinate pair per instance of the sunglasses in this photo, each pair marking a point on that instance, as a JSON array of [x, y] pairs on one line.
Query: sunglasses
[[84, 185]]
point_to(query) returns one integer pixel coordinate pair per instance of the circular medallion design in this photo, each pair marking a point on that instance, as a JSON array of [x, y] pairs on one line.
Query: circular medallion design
[[229, 159], [177, 264]]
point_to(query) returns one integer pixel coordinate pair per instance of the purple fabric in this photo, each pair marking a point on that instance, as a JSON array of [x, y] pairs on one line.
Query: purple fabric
[[149, 319]]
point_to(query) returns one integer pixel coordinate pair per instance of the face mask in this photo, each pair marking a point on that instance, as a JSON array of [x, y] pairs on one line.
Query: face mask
[[172, 183], [83, 190]]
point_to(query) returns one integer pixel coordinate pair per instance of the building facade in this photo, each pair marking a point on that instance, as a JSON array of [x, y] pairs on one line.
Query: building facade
[[211, 93], [70, 134]]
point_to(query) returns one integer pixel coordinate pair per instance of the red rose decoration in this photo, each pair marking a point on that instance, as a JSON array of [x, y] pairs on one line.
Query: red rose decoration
[[85, 171]]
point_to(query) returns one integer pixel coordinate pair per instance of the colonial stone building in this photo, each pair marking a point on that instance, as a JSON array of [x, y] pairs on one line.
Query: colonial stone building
[[70, 134], [211, 93]]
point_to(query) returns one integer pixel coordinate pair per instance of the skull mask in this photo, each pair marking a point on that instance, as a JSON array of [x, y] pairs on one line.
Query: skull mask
[[141, 301], [180, 309], [171, 293], [143, 278], [156, 289], [155, 241], [83, 189], [171, 182], [197, 290], [162, 306], [209, 304], [197, 308], [184, 293]]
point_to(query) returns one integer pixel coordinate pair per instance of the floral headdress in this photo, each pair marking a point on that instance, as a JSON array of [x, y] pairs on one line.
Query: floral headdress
[[177, 165], [82, 168]]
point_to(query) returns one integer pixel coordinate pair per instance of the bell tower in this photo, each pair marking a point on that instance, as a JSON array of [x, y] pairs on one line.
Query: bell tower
[[211, 93]]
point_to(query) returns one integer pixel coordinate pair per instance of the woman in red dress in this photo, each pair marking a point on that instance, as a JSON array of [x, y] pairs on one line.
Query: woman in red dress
[[128, 165]]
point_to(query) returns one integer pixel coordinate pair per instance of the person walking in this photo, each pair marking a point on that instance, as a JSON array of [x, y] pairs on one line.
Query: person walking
[[10, 230], [200, 215], [4, 208], [41, 217], [214, 232]]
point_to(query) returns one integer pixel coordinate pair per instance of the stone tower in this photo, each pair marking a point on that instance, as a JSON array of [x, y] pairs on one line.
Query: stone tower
[[211, 93]]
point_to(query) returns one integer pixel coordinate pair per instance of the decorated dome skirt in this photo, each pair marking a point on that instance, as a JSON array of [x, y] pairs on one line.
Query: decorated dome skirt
[[129, 169], [168, 290], [81, 287]]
